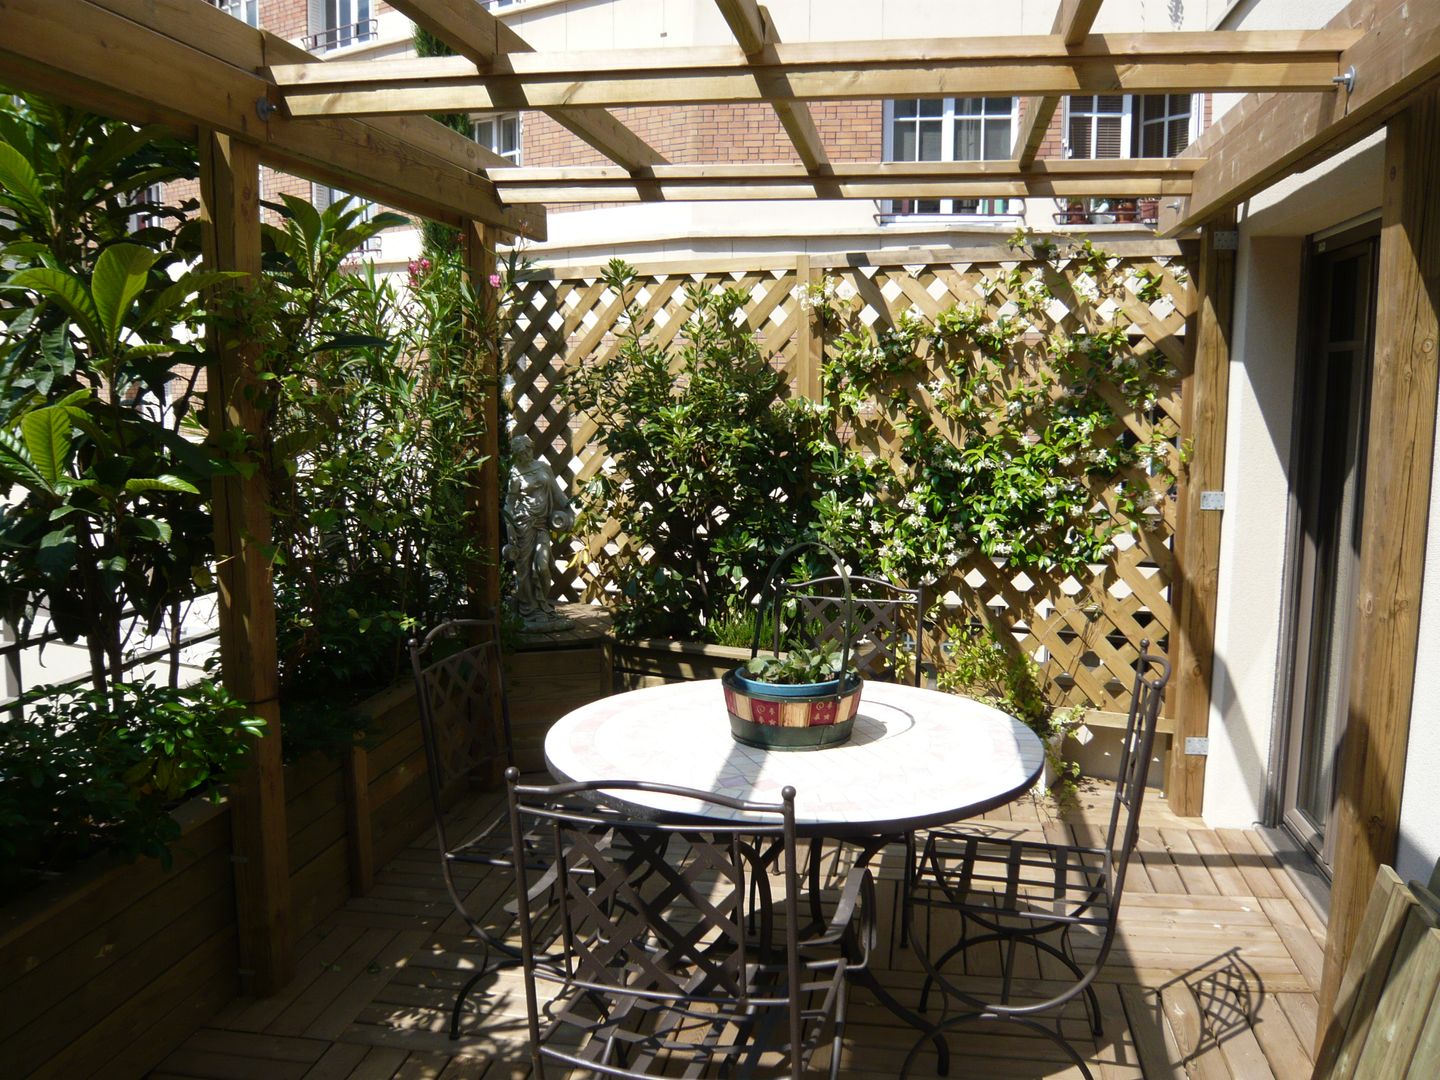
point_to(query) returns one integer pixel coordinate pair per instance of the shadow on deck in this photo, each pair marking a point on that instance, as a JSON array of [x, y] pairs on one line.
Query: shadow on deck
[[1214, 975]]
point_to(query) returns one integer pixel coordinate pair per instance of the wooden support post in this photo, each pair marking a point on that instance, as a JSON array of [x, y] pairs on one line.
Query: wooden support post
[[809, 339], [359, 827], [1197, 533], [480, 260], [230, 207], [1398, 461]]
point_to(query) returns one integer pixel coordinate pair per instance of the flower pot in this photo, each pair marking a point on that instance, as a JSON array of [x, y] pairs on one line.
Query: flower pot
[[777, 716]]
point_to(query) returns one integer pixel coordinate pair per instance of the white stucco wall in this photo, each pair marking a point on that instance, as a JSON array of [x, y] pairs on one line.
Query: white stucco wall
[[1420, 802], [1248, 672]]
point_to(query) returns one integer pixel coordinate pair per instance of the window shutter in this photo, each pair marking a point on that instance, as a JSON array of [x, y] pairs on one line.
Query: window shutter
[[321, 196], [316, 16]]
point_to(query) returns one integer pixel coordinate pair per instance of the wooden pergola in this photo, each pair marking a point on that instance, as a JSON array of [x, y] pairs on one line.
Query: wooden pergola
[[249, 97]]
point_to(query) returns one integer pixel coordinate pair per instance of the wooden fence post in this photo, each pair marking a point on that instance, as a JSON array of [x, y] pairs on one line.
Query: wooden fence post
[[1398, 460], [809, 338], [230, 208], [479, 243], [1197, 530]]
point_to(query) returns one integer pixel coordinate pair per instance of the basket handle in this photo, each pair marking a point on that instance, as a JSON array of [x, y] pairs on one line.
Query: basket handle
[[772, 581]]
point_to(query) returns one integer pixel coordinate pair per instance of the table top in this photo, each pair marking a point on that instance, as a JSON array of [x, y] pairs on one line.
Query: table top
[[917, 758]]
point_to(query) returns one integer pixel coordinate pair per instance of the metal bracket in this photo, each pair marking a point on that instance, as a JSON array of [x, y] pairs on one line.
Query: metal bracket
[[1212, 500], [1347, 79], [1226, 239], [1197, 746]]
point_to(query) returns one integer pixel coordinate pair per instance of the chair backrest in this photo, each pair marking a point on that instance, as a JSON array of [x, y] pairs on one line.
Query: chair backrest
[[657, 909], [464, 721], [886, 623], [1146, 697]]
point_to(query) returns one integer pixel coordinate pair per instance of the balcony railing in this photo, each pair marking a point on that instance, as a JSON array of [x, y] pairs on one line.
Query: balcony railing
[[338, 37]]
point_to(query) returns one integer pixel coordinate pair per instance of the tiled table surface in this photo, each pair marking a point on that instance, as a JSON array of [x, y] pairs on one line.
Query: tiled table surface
[[917, 758]]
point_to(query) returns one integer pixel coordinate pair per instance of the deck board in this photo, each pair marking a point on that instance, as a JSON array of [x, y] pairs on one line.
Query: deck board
[[1212, 975]]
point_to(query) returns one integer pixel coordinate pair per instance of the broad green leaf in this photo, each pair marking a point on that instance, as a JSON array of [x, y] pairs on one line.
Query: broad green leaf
[[48, 436], [16, 465], [121, 272], [67, 291], [17, 177], [163, 482], [172, 296], [152, 528]]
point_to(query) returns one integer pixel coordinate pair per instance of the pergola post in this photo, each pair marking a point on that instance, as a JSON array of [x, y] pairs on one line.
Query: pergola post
[[1197, 530], [230, 208], [1398, 460], [809, 338], [479, 242]]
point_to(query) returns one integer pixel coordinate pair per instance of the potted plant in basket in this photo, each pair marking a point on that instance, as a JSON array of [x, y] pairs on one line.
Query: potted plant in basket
[[804, 698]]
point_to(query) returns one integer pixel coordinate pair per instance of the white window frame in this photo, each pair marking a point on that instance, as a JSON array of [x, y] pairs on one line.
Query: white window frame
[[324, 20], [247, 11], [1197, 108], [1129, 116], [494, 145], [948, 116]]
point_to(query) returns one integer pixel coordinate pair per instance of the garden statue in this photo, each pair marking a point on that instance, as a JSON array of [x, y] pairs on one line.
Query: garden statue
[[534, 505]]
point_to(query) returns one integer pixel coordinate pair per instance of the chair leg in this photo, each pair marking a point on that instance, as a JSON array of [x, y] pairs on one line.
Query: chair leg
[[839, 1038], [938, 1030], [464, 993], [907, 884], [1092, 1003]]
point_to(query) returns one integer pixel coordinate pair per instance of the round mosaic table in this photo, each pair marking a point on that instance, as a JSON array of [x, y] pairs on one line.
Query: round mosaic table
[[918, 758]]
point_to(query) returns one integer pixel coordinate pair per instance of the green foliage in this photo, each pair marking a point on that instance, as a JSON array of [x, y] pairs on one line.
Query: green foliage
[[86, 769], [711, 469], [372, 395], [735, 625], [801, 664], [100, 341]]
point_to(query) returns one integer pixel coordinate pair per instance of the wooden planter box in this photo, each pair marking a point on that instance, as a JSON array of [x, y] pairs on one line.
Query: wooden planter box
[[652, 661], [106, 970]]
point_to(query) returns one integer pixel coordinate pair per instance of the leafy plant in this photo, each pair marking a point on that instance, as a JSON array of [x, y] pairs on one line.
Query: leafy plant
[[711, 474], [87, 769], [801, 664]]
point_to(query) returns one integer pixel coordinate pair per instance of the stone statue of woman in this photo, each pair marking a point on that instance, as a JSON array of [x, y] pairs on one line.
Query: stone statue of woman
[[534, 505]]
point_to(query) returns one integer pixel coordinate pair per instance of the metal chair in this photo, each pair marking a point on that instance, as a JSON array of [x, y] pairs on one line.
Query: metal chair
[[661, 971], [465, 723], [886, 624], [1021, 892]]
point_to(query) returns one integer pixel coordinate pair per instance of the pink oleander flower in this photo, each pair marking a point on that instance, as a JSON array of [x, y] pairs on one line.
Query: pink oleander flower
[[494, 281]]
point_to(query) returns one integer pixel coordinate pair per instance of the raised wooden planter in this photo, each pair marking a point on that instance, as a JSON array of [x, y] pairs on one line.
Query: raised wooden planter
[[652, 661], [106, 970]]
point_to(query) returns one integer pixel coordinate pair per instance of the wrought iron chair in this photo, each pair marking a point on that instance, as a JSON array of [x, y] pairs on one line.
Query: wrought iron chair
[[465, 724], [1022, 892], [661, 972], [886, 623]]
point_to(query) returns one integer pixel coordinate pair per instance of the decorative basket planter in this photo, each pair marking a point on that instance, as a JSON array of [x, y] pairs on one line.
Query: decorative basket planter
[[803, 716]]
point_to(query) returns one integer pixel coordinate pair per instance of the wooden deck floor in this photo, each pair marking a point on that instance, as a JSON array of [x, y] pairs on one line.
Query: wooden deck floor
[[1214, 976]]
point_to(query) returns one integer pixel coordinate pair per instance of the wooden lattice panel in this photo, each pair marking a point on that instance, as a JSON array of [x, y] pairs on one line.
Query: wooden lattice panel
[[1084, 628]]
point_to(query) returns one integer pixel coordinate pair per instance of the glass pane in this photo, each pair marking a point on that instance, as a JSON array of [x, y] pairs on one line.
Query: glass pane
[[997, 139], [905, 107], [930, 140], [999, 106], [927, 206], [1152, 140], [1110, 103], [509, 136], [904, 149], [1080, 137], [1107, 137], [1179, 135], [932, 107], [969, 106], [968, 145]]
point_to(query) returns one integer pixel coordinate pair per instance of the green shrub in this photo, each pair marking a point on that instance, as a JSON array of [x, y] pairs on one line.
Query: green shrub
[[83, 770]]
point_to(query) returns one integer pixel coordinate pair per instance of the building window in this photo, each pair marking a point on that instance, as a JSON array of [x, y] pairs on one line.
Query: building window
[[950, 129], [1164, 124], [500, 133], [146, 201], [1129, 125], [336, 24], [322, 196], [247, 11]]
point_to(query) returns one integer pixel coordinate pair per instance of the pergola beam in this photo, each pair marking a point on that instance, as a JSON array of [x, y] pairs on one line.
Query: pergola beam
[[1072, 25], [1037, 65], [483, 40], [147, 59], [755, 31], [1264, 139]]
